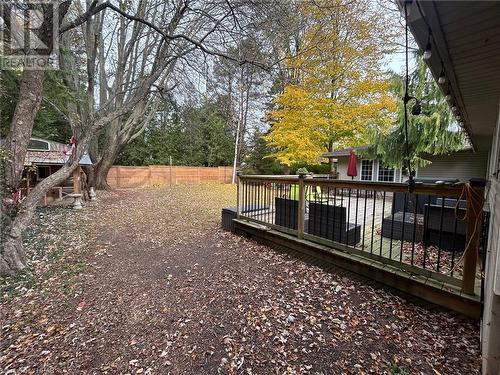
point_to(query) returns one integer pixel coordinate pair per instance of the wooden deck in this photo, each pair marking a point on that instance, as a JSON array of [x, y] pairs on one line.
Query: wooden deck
[[368, 213]]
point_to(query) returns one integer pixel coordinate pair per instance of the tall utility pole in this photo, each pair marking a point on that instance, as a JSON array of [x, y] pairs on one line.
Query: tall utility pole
[[236, 145]]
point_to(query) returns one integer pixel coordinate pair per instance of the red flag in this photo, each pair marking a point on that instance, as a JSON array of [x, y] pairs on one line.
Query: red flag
[[352, 166]]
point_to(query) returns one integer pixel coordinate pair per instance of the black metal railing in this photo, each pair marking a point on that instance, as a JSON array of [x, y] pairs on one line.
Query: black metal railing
[[425, 232]]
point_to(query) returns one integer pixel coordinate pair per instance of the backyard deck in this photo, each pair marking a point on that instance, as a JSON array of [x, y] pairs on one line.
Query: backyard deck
[[370, 215], [420, 233]]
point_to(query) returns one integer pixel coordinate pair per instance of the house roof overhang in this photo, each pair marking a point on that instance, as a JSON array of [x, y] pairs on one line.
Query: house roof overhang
[[466, 46]]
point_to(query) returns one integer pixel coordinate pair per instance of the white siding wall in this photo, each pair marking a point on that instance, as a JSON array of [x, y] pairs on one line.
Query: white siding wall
[[342, 169], [462, 165], [490, 327]]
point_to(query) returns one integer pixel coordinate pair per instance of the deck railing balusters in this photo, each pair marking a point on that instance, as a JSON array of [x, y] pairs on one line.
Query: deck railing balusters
[[286, 203], [348, 217], [364, 220], [440, 233], [453, 246], [373, 219], [405, 203], [415, 223], [356, 219], [392, 233], [327, 211], [426, 234], [382, 225]]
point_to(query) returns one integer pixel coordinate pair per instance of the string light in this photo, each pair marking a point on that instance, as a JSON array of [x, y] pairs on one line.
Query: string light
[[428, 48], [442, 77], [447, 97]]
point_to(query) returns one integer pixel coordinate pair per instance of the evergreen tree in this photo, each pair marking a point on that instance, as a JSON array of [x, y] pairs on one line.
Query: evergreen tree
[[433, 132], [258, 160], [197, 136]]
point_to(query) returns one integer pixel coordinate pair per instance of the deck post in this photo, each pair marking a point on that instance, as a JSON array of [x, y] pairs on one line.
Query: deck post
[[475, 202], [238, 195], [302, 207], [76, 180]]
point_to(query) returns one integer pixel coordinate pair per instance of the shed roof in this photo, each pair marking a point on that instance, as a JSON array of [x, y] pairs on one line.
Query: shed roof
[[56, 153]]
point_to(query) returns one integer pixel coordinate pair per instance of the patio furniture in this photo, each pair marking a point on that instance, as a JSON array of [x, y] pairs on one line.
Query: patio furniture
[[427, 210], [331, 222], [286, 212], [394, 225], [254, 208], [442, 228], [228, 214]]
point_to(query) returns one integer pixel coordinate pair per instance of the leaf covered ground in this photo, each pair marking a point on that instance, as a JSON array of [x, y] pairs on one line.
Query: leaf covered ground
[[145, 282]]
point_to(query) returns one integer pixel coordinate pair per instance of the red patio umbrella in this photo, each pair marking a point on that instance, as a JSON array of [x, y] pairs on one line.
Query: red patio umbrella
[[352, 166]]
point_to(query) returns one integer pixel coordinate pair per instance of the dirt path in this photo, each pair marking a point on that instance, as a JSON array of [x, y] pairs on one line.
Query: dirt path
[[151, 285]]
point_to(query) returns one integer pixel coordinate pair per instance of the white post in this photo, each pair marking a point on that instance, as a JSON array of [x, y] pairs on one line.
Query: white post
[[170, 160], [236, 144]]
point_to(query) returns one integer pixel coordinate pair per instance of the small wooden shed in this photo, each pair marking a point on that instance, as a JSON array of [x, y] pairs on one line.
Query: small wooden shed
[[45, 157]]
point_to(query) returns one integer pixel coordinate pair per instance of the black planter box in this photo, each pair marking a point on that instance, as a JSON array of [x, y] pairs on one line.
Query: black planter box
[[451, 239], [228, 214], [286, 212], [393, 227], [330, 222]]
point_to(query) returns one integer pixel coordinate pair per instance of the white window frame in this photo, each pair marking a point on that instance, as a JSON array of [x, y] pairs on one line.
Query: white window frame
[[361, 169], [378, 173]]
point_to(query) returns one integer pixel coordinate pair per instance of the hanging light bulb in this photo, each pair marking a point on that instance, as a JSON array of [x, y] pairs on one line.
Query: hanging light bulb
[[461, 123], [447, 97], [454, 108], [442, 77], [427, 53], [428, 48]]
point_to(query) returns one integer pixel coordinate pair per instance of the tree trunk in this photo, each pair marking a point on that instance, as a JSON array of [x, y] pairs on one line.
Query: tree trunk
[[89, 172], [332, 167], [30, 97], [12, 257], [101, 171]]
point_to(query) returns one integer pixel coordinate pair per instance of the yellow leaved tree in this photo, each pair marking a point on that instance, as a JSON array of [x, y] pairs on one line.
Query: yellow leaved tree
[[338, 91]]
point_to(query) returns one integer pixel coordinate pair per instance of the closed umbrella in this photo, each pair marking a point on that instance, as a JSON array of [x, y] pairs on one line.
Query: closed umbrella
[[352, 166]]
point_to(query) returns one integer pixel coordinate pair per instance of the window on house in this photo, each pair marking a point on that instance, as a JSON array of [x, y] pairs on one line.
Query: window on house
[[385, 174], [366, 170], [35, 144]]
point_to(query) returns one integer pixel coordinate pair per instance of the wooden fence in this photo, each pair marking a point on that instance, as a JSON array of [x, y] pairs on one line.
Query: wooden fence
[[128, 177]]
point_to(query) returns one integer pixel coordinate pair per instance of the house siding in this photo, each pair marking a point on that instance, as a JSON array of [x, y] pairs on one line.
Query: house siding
[[462, 165], [342, 170], [490, 325]]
